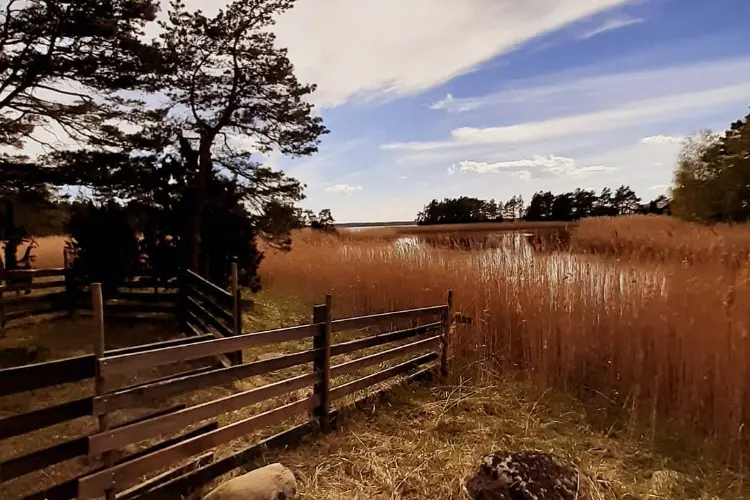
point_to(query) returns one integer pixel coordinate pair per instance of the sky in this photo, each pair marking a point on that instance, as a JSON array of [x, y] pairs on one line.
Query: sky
[[490, 98], [430, 99]]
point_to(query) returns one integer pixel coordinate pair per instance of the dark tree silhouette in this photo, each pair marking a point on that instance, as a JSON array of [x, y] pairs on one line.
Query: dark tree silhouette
[[543, 206], [458, 211], [229, 80], [59, 56]]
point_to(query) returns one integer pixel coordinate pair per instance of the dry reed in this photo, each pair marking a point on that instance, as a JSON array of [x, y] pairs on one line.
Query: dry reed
[[663, 238], [665, 339]]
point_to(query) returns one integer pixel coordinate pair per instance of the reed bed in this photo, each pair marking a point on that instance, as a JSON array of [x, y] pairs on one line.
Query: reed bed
[[664, 339], [393, 232], [663, 238]]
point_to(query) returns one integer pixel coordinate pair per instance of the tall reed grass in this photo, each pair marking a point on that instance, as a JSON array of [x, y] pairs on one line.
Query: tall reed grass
[[666, 339], [662, 238]]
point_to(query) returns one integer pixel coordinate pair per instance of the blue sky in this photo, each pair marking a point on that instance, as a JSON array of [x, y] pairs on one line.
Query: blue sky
[[431, 98]]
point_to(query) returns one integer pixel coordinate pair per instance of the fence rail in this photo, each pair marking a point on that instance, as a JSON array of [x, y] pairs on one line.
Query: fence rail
[[419, 345], [59, 291]]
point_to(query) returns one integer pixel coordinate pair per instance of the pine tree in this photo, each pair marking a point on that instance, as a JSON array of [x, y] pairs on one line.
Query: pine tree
[[232, 94]]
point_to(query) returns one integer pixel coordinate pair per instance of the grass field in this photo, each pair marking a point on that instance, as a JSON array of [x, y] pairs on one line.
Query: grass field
[[666, 338]]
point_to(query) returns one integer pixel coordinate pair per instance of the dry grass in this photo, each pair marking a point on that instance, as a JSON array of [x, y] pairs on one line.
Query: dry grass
[[427, 439], [666, 340], [49, 253], [663, 238]]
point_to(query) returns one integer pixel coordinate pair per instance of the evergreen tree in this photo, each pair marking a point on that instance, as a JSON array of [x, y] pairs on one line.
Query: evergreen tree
[[61, 59], [236, 94]]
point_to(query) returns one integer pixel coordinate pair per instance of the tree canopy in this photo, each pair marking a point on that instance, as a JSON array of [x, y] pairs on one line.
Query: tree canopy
[[59, 56], [712, 179], [174, 129], [543, 206]]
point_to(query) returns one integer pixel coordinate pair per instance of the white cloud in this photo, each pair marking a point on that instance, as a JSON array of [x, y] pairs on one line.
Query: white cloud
[[555, 165], [522, 175], [593, 86], [452, 170], [442, 103], [415, 146], [660, 140], [611, 25], [340, 45], [343, 189], [652, 111], [446, 103]]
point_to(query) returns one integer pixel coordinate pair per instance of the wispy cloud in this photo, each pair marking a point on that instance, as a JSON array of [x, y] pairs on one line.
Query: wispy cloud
[[588, 86], [611, 25], [343, 189], [650, 111], [442, 103], [339, 44], [551, 164], [447, 103], [660, 140]]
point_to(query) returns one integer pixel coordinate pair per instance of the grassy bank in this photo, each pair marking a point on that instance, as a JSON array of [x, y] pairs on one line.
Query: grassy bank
[[664, 340]]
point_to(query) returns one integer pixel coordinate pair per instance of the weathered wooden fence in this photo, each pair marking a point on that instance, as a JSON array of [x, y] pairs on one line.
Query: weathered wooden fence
[[188, 454], [29, 293], [209, 309], [203, 307]]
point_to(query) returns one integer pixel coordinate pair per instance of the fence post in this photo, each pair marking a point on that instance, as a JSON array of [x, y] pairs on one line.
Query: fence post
[[182, 302], [236, 310], [2, 309], [446, 327], [322, 363], [97, 305], [71, 293]]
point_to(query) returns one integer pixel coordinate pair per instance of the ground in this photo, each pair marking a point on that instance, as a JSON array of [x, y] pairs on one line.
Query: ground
[[421, 443], [429, 437]]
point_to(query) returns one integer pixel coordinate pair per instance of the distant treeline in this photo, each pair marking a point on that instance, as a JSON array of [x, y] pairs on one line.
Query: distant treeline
[[544, 206]]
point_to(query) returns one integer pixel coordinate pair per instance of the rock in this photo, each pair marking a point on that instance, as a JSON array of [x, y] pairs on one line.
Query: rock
[[525, 476], [664, 483], [272, 482]]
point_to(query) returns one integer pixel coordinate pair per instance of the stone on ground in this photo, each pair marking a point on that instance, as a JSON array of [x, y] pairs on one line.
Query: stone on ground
[[525, 476], [272, 482]]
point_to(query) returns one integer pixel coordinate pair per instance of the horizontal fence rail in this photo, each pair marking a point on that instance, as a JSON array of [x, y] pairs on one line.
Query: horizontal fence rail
[[158, 391], [117, 438], [98, 483], [68, 490], [31, 273], [72, 448], [205, 286], [377, 319], [131, 362], [59, 292]]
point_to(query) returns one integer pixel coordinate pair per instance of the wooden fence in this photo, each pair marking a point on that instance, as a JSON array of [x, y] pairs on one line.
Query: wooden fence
[[203, 307], [189, 453], [209, 309], [29, 293]]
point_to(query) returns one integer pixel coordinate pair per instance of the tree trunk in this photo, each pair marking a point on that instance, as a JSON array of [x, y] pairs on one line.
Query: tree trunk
[[199, 204]]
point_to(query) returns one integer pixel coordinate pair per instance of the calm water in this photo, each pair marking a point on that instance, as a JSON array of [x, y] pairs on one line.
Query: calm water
[[511, 255]]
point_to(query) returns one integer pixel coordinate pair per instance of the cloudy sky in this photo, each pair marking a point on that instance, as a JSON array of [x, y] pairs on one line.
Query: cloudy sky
[[434, 98]]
